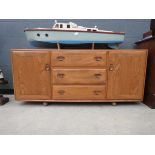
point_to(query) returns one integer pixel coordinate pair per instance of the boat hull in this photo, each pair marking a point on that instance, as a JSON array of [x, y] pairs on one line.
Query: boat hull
[[39, 37]]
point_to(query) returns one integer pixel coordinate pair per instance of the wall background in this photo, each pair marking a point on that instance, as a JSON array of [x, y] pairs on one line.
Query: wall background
[[12, 35]]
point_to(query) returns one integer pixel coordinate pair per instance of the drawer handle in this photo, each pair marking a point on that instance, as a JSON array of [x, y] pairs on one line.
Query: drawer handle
[[47, 67], [111, 67], [97, 75], [98, 58], [61, 92], [60, 75], [60, 58], [97, 92]]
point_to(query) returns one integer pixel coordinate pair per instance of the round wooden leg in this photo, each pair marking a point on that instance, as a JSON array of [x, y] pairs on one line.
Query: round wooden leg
[[45, 103], [114, 103], [139, 102]]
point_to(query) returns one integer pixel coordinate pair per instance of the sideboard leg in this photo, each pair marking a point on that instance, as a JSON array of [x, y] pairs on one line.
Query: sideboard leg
[[139, 102], [93, 46], [114, 103], [45, 103]]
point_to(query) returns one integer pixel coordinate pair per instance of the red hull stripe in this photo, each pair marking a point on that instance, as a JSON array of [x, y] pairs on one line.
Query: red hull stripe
[[48, 29]]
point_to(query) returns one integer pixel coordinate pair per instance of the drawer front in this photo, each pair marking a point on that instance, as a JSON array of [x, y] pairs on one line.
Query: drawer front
[[78, 58], [79, 76], [79, 92]]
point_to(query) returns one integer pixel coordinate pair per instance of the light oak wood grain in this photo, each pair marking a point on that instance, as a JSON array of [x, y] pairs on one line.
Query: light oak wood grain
[[79, 76], [80, 58], [79, 92], [126, 74], [31, 72]]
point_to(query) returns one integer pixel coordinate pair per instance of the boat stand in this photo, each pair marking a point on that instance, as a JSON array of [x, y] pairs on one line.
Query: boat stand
[[93, 46], [58, 46]]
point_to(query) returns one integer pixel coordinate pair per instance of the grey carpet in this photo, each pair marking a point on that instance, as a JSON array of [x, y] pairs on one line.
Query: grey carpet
[[76, 118]]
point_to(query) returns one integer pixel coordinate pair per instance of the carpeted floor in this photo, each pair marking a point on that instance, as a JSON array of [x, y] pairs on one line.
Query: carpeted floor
[[76, 118]]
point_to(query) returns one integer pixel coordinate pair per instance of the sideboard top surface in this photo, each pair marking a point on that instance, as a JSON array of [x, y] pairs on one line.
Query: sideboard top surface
[[89, 50]]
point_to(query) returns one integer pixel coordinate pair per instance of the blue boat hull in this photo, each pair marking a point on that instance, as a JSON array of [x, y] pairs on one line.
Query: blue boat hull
[[72, 45], [47, 38]]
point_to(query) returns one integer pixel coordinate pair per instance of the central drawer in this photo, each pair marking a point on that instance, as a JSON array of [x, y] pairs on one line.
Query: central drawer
[[79, 92], [80, 58], [79, 76]]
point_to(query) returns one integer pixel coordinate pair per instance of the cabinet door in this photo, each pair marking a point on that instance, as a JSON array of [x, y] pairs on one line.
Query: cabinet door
[[126, 74], [31, 73]]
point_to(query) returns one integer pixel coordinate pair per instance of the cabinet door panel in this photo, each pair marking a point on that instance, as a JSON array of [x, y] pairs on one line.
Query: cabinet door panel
[[126, 74], [31, 72]]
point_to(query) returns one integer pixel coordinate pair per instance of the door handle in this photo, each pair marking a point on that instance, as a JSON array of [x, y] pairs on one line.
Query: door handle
[[98, 75], [98, 58], [60, 58], [61, 92], [97, 92], [111, 67], [60, 75], [47, 67]]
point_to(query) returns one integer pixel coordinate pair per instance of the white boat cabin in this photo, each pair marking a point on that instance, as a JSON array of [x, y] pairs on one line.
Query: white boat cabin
[[72, 26], [65, 25]]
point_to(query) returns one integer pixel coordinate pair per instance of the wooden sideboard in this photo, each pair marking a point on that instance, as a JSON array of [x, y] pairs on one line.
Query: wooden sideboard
[[48, 75]]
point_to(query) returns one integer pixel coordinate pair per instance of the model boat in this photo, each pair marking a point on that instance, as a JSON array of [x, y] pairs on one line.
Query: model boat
[[71, 33]]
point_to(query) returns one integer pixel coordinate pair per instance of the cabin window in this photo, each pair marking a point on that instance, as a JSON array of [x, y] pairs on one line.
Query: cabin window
[[94, 30], [88, 29], [61, 26], [46, 35], [68, 26], [38, 34]]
